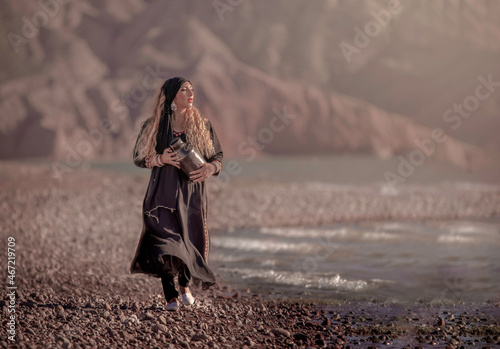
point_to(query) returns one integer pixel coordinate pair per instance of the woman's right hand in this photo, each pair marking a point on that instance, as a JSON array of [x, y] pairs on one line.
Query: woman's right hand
[[170, 157]]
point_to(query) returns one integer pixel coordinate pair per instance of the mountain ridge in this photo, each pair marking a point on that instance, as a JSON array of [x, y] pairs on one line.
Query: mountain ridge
[[92, 77]]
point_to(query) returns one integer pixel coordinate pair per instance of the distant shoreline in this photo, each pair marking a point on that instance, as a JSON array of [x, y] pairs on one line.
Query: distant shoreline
[[337, 168]]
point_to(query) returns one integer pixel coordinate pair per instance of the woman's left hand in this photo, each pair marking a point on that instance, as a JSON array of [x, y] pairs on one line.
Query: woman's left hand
[[204, 171]]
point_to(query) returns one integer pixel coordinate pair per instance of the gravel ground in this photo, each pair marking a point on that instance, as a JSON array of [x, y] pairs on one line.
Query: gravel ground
[[75, 238]]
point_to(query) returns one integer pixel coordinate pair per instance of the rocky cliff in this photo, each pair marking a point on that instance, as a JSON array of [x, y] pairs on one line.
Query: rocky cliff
[[273, 77]]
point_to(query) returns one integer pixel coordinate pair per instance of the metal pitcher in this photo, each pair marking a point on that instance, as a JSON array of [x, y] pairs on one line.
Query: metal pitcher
[[189, 157]]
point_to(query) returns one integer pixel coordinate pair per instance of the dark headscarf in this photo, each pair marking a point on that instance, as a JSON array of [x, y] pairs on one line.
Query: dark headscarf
[[165, 135]]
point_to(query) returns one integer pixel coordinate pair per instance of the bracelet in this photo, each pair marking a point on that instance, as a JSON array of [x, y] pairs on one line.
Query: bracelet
[[154, 160], [159, 160], [148, 162]]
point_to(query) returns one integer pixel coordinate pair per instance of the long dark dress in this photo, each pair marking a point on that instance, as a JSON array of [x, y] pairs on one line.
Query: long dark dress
[[174, 212]]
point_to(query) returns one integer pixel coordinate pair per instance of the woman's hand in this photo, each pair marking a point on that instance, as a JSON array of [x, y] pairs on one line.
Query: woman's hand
[[170, 157], [204, 171]]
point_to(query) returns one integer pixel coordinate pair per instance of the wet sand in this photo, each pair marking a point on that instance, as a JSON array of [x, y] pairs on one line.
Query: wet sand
[[75, 238]]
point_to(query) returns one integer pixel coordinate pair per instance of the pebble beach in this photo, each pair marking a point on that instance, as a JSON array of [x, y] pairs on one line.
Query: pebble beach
[[74, 240]]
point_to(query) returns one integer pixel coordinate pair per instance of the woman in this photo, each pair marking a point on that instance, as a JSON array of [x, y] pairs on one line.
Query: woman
[[174, 239]]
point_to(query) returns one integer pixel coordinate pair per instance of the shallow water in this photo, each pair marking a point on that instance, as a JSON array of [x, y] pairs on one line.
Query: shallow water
[[406, 261]]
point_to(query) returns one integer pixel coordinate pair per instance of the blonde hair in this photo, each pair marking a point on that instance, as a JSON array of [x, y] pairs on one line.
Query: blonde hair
[[197, 132], [195, 126]]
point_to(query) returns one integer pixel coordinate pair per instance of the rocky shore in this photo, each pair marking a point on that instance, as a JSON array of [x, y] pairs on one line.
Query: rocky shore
[[74, 240], [221, 320]]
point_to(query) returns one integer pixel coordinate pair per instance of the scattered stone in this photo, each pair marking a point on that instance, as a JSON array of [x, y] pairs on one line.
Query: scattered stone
[[200, 337], [301, 337], [440, 322], [237, 295], [279, 332], [249, 343], [159, 328], [147, 316], [212, 344], [131, 320], [184, 344]]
